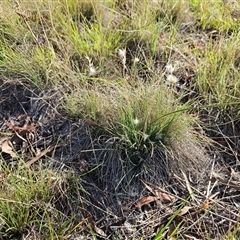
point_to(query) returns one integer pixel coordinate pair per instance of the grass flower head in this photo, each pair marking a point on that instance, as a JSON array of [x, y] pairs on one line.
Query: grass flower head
[[136, 121], [172, 80], [170, 68]]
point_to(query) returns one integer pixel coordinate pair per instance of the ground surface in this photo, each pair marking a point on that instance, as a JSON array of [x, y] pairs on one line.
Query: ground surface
[[108, 203], [117, 127]]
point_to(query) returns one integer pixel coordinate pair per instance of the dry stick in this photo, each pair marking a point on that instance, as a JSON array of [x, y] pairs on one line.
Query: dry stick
[[209, 183], [214, 201], [211, 199], [42, 153], [188, 185]]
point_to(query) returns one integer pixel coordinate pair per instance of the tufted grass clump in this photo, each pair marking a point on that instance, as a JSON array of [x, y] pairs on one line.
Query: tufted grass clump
[[218, 74], [142, 118], [30, 202], [148, 119], [217, 15]]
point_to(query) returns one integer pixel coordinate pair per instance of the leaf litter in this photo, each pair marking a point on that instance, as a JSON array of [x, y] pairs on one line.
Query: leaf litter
[[8, 148]]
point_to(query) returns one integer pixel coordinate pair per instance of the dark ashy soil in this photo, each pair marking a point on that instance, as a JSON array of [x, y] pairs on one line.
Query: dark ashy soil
[[114, 189]]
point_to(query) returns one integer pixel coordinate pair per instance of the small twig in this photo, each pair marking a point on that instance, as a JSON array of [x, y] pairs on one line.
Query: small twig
[[188, 185], [42, 153], [209, 183]]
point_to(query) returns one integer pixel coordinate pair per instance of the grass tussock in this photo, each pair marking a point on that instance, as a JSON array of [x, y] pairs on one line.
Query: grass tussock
[[31, 203], [218, 71], [143, 116]]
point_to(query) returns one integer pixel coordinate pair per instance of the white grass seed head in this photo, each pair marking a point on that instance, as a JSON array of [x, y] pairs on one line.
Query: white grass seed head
[[170, 68], [136, 60], [122, 53], [172, 80], [92, 71], [136, 121]]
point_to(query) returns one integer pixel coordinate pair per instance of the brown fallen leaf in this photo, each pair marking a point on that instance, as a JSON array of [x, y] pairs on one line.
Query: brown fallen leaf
[[194, 210], [8, 148], [184, 210], [163, 196], [144, 201], [18, 129], [166, 198], [99, 231]]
